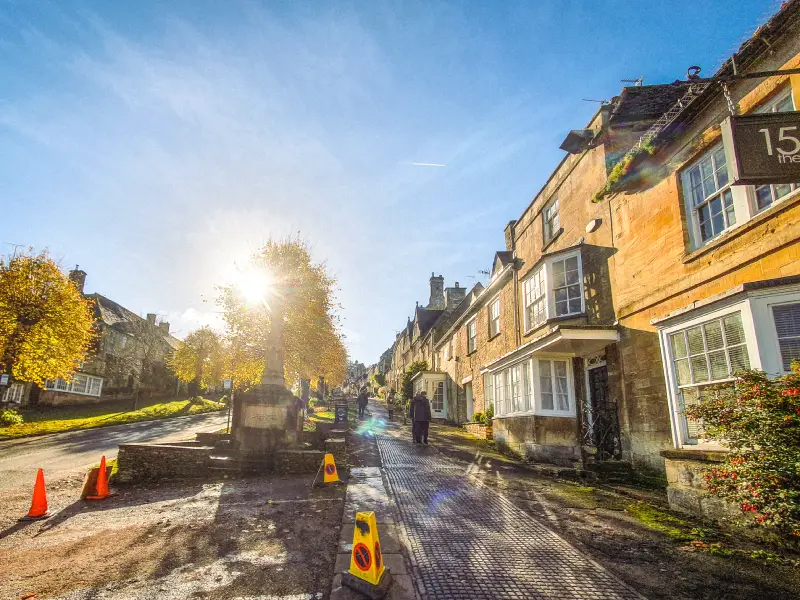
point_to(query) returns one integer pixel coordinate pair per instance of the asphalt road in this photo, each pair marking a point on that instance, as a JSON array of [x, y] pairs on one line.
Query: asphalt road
[[65, 454]]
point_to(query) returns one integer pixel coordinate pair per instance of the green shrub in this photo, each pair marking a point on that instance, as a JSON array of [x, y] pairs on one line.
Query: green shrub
[[490, 414], [479, 417], [759, 421], [10, 417]]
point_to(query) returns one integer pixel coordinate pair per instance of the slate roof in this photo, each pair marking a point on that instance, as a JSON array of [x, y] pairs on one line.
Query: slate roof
[[646, 103], [426, 318], [116, 316]]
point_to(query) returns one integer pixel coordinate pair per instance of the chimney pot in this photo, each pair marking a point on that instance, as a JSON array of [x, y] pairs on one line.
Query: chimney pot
[[164, 326]]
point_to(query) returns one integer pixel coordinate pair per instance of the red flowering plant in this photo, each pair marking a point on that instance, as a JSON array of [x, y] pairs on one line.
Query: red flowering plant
[[759, 421]]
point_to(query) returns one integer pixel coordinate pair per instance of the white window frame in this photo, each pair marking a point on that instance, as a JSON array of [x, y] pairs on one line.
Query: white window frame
[[551, 265], [494, 317], [88, 384], [534, 294], [488, 391], [738, 196], [779, 337], [472, 335], [518, 392], [437, 386], [551, 221], [14, 393], [679, 432], [540, 283]]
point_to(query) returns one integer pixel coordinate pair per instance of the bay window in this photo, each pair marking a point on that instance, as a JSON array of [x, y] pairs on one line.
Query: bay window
[[534, 386], [87, 385], [555, 289]]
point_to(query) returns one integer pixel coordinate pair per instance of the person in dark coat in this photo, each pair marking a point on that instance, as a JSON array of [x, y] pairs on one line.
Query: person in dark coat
[[420, 413], [363, 400]]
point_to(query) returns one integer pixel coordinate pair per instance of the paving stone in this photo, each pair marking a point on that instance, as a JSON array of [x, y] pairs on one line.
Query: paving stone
[[468, 541]]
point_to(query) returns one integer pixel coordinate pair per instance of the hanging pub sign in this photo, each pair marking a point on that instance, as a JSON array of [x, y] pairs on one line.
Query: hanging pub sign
[[763, 148]]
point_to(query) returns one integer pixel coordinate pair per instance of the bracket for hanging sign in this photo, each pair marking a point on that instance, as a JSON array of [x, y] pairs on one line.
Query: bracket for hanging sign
[[762, 148]]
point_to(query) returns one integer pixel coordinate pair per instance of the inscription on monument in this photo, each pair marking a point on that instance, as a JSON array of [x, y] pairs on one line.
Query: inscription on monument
[[262, 416]]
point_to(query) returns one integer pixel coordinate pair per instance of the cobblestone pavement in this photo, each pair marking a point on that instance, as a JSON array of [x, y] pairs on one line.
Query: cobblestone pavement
[[469, 542]]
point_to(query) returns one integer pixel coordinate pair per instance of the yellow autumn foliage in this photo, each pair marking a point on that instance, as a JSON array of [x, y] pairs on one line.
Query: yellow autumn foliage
[[199, 358], [313, 344], [46, 325]]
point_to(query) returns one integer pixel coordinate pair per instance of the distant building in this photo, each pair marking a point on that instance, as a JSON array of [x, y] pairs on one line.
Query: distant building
[[127, 358]]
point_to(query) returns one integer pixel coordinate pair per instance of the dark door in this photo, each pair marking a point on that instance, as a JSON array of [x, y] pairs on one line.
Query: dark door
[[604, 421]]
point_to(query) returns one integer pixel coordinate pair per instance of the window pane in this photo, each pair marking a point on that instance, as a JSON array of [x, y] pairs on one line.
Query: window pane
[[719, 365], [722, 171], [787, 326], [692, 429], [572, 263], [695, 337], [763, 196], [559, 279], [699, 368], [782, 190], [730, 213], [740, 361], [717, 220], [558, 267], [561, 294], [684, 375], [562, 308], [678, 345], [734, 332], [704, 217], [713, 332], [575, 306]]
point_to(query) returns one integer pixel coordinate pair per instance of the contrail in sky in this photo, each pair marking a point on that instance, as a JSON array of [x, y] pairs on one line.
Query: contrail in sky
[[417, 164]]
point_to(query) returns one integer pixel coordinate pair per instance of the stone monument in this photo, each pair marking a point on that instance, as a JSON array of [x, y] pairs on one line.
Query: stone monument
[[265, 416]]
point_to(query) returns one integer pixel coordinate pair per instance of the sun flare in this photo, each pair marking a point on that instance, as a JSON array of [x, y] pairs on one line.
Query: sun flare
[[255, 285]]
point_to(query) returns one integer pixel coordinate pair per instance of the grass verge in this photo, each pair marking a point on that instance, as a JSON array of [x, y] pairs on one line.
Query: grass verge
[[55, 420]]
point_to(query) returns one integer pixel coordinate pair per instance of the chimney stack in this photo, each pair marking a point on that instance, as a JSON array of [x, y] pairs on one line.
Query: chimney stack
[[151, 318], [164, 327], [453, 296], [437, 292], [78, 278], [509, 235]]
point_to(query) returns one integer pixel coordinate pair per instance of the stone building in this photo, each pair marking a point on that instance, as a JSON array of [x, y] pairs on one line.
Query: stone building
[[128, 358], [637, 276]]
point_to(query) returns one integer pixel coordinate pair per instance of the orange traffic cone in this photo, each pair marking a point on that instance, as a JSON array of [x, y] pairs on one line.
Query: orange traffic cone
[[102, 483], [39, 503]]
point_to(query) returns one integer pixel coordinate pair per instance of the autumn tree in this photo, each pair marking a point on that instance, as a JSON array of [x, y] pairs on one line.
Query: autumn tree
[[199, 361], [313, 345], [46, 325], [418, 366]]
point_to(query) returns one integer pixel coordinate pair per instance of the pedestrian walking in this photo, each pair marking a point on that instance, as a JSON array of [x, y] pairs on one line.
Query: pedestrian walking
[[390, 400], [420, 413], [362, 402]]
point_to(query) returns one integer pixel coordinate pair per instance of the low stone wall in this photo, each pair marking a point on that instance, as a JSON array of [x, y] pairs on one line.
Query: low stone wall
[[157, 462], [687, 490], [479, 430], [539, 438]]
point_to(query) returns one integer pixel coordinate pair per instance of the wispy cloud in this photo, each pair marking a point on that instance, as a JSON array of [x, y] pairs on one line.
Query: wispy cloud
[[422, 164]]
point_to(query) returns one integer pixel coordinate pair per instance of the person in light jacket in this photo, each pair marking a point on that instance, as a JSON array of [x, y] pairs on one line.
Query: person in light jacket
[[420, 413]]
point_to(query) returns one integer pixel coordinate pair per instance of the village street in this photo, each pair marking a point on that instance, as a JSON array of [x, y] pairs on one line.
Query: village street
[[71, 453]]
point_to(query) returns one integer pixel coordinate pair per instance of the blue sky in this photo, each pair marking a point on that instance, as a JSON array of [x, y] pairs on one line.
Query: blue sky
[[155, 142]]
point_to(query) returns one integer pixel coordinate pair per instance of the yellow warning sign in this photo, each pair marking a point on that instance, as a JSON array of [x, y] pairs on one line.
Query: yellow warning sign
[[329, 475], [366, 561]]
